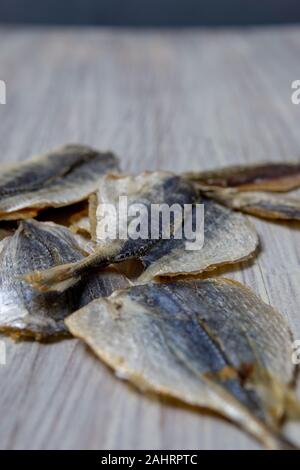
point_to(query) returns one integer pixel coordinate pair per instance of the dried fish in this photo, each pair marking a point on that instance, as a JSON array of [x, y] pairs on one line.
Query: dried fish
[[269, 176], [80, 223], [84, 241], [39, 245], [228, 236], [148, 188], [267, 205], [228, 239], [58, 178], [211, 343], [24, 311]]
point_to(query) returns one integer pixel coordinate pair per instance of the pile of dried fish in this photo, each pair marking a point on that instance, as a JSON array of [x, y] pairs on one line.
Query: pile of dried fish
[[141, 304]]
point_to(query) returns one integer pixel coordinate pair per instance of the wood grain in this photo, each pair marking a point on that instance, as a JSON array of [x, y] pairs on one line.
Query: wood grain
[[178, 100]]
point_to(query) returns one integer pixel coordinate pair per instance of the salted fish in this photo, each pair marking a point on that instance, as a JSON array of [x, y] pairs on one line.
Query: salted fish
[[262, 204], [211, 343], [40, 245], [61, 177], [268, 176], [228, 236], [228, 239]]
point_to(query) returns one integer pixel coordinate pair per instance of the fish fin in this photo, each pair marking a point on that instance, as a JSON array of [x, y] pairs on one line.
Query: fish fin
[[56, 279], [61, 277]]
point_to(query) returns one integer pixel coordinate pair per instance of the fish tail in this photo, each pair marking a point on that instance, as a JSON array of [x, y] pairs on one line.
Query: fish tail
[[62, 277], [56, 279]]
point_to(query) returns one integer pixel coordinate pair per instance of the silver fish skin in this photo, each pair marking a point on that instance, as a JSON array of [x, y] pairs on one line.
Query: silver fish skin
[[99, 283], [59, 178], [211, 343], [5, 232], [261, 204], [23, 310], [228, 238]]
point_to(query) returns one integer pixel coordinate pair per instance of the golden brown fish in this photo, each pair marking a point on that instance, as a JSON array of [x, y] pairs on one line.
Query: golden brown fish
[[228, 237], [211, 343], [269, 176], [59, 178], [40, 245]]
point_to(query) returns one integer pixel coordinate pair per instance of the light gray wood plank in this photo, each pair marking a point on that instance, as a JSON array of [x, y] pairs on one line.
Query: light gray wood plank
[[178, 100]]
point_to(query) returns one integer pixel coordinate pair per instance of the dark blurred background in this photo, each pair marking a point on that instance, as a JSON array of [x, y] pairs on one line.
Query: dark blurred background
[[150, 12]]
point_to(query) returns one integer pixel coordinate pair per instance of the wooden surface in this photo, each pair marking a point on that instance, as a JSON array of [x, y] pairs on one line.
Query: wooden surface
[[174, 100]]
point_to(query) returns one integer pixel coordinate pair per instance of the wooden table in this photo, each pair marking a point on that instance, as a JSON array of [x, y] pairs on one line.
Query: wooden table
[[178, 100]]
